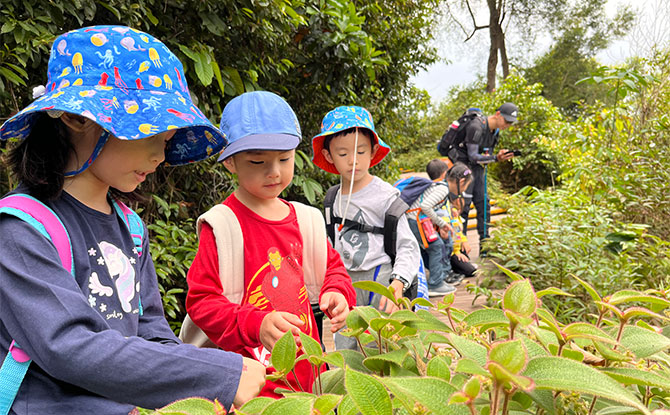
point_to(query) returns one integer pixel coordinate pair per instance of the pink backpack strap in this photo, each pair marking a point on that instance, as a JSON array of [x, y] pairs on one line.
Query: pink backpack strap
[[42, 218]]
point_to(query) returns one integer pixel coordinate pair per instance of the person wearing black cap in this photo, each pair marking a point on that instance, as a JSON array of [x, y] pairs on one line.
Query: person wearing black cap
[[481, 137]]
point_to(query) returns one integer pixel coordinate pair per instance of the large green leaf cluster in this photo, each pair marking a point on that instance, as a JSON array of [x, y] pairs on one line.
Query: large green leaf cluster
[[516, 359]]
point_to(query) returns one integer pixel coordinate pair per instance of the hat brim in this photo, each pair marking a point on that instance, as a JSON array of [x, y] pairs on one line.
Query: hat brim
[[130, 114], [320, 160], [509, 118], [261, 142]]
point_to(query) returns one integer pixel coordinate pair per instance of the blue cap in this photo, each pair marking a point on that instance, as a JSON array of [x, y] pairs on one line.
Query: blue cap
[[259, 120]]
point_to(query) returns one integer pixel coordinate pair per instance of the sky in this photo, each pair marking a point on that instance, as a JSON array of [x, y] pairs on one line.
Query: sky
[[467, 61]]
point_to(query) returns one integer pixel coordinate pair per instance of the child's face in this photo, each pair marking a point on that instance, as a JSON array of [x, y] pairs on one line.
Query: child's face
[[341, 154], [124, 164], [262, 174]]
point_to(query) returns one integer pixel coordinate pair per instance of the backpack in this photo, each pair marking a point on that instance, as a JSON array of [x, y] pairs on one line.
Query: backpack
[[452, 139], [45, 220], [228, 233], [410, 190]]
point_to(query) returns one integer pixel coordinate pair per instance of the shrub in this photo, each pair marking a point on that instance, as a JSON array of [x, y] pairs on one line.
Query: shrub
[[517, 359]]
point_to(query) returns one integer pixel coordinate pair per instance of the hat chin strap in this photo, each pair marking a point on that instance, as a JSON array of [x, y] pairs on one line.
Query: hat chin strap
[[351, 184], [96, 152]]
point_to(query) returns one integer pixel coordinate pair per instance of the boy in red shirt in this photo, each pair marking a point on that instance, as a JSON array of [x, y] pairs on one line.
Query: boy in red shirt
[[247, 311]]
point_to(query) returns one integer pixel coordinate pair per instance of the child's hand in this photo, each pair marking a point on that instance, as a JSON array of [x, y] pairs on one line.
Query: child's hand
[[444, 231], [466, 247], [275, 324], [462, 258], [387, 305], [336, 308], [252, 381]]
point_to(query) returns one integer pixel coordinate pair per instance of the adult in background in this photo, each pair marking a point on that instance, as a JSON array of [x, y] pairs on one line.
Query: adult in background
[[477, 151]]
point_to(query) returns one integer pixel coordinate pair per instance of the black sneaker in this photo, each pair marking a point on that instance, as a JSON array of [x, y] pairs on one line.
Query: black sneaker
[[454, 279]]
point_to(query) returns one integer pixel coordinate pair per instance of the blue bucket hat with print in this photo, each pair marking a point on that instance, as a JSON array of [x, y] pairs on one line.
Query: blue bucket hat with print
[[259, 120], [130, 84], [340, 119]]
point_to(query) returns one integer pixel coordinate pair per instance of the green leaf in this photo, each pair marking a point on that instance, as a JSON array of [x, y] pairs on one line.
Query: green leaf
[[642, 342], [290, 405], [190, 406], [553, 291], [347, 406], [509, 354], [388, 325], [217, 74], [631, 376], [283, 353], [332, 381], [486, 319], [520, 298], [470, 366], [255, 406], [560, 374], [368, 394], [472, 387], [235, 78], [438, 367], [374, 287], [589, 289], [428, 322], [379, 362], [433, 393], [468, 348], [511, 274], [7, 27], [326, 403], [311, 346], [587, 331]]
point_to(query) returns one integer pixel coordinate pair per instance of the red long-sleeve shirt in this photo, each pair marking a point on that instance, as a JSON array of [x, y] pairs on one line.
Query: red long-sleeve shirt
[[273, 280]]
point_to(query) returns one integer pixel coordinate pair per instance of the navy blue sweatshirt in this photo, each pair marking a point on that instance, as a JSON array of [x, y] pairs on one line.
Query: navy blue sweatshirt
[[92, 351]]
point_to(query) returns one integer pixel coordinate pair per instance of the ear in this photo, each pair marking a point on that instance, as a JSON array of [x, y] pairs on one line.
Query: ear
[[74, 122], [229, 164], [327, 156], [374, 150]]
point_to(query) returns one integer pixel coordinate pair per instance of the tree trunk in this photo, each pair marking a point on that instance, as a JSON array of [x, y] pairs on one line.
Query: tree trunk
[[497, 37]]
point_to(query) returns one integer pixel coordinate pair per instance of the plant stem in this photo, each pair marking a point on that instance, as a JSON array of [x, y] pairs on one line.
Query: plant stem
[[593, 404], [297, 380], [506, 402], [451, 322], [496, 397], [360, 346], [618, 335], [428, 350]]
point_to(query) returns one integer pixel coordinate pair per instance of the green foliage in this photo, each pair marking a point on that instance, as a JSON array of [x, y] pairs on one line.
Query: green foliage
[[608, 222], [486, 363]]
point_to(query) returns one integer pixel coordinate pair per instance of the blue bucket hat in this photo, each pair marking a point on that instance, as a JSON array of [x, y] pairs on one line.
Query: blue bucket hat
[[129, 83], [259, 120], [340, 119]]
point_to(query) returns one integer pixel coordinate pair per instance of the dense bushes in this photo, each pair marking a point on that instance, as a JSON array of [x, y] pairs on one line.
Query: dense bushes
[[607, 223]]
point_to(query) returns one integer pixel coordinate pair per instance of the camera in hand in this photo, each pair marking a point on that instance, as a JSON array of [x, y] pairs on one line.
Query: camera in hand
[[516, 153]]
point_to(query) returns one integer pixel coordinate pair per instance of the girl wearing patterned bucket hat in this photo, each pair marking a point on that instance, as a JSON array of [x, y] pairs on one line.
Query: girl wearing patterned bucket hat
[[348, 145], [115, 106]]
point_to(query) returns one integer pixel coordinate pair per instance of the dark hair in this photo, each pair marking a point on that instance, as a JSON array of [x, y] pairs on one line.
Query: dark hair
[[435, 168], [459, 171], [39, 161], [362, 130]]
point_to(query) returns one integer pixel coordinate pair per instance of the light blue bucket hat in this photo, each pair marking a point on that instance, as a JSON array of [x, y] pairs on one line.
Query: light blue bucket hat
[[340, 119], [130, 84]]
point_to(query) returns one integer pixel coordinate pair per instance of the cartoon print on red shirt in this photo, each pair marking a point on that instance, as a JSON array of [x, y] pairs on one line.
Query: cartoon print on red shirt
[[282, 289]]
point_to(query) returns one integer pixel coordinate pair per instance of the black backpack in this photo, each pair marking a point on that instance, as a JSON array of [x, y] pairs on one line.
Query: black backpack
[[453, 138], [393, 213]]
